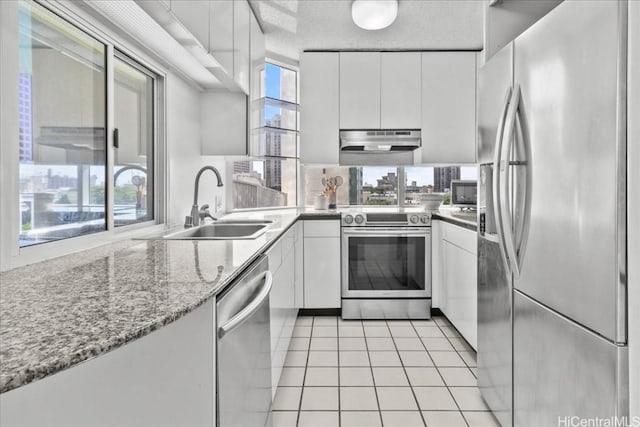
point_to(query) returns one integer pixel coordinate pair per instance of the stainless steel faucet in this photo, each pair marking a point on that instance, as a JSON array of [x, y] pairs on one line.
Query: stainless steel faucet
[[198, 214]]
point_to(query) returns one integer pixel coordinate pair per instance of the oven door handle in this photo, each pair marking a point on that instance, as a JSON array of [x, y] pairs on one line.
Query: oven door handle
[[386, 232]]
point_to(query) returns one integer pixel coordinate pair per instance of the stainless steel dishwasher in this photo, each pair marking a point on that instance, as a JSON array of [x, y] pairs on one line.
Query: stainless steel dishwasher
[[244, 350]]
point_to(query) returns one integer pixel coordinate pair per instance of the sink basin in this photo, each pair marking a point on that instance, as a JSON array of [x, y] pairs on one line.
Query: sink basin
[[244, 221], [219, 231]]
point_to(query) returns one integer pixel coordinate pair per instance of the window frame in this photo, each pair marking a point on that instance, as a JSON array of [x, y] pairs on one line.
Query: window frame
[[11, 254], [299, 196]]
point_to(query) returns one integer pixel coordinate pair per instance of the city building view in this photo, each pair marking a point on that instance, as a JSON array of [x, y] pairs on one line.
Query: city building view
[[377, 185]]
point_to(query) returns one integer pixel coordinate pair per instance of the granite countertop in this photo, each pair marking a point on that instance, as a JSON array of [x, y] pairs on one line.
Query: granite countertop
[[69, 309], [57, 313], [455, 216]]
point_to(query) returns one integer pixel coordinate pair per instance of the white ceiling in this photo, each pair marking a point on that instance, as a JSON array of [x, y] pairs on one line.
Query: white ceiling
[[292, 26]]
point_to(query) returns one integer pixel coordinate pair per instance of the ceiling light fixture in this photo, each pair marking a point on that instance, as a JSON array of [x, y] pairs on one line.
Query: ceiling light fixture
[[374, 14]]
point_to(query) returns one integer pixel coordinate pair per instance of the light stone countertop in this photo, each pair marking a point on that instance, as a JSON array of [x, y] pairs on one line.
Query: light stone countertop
[[57, 313]]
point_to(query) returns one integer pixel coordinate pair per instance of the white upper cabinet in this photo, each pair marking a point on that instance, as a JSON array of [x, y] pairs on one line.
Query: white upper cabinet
[[359, 90], [448, 107], [319, 107], [241, 44], [221, 34], [380, 90], [194, 15], [400, 82]]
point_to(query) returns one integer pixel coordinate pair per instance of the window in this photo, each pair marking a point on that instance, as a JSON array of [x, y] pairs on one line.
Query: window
[[382, 185], [270, 178], [63, 112], [62, 144]]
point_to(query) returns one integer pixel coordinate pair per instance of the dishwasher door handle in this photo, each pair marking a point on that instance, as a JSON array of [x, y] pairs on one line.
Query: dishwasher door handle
[[251, 308]]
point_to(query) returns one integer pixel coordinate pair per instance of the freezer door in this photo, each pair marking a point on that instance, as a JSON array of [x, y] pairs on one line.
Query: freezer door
[[567, 68], [561, 369], [494, 80]]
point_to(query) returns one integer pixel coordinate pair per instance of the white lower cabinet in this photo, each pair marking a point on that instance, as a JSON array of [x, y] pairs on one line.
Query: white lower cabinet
[[322, 264], [282, 264], [166, 378], [455, 277]]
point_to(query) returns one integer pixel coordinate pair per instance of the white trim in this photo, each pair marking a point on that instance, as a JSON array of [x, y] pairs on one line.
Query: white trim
[[9, 148]]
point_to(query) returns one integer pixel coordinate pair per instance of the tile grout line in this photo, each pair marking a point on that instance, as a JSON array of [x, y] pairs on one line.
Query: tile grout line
[[404, 369], [338, 369], [373, 378], [304, 376], [441, 376]]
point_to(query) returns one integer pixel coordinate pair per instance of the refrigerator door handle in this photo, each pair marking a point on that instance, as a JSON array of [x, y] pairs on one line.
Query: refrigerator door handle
[[523, 192], [504, 170], [496, 179]]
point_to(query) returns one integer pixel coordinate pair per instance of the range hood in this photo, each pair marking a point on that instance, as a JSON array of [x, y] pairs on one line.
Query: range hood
[[378, 147]]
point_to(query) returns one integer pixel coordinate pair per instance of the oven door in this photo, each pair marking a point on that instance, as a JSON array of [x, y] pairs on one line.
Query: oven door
[[386, 262]]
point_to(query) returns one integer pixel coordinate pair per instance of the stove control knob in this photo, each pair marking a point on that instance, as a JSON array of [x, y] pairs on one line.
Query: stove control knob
[[414, 219], [348, 219], [425, 219], [359, 219]]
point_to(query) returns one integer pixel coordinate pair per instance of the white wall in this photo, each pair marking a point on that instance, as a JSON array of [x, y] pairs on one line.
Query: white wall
[[633, 207], [183, 152]]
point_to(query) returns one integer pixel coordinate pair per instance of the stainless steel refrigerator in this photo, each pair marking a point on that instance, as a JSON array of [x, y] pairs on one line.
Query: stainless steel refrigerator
[[552, 329]]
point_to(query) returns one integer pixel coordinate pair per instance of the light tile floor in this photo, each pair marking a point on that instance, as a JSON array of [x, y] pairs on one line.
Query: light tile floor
[[352, 373]]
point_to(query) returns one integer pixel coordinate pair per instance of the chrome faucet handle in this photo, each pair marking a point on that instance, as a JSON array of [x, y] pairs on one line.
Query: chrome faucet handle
[[204, 213]]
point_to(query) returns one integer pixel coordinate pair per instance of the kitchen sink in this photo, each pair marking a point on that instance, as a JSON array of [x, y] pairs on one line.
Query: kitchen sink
[[219, 231], [244, 221]]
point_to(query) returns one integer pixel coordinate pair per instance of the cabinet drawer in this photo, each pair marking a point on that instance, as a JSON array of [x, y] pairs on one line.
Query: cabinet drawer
[[322, 228], [461, 237]]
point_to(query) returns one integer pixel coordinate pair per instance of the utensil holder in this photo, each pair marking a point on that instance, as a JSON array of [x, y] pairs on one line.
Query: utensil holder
[[332, 199]]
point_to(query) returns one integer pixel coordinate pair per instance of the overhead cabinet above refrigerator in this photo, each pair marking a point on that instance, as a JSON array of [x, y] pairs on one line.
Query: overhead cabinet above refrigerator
[[552, 148]]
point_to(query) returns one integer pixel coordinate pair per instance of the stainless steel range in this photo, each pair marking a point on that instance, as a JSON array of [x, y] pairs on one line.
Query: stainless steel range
[[386, 265]]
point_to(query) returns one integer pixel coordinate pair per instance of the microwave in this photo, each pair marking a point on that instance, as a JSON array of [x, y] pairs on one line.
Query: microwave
[[464, 193]]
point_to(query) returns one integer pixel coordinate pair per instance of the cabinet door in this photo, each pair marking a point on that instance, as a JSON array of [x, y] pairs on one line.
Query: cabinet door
[[241, 48], [448, 107], [460, 280], [194, 15], [400, 84], [322, 272], [164, 379], [221, 34], [322, 264], [319, 112], [359, 90]]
